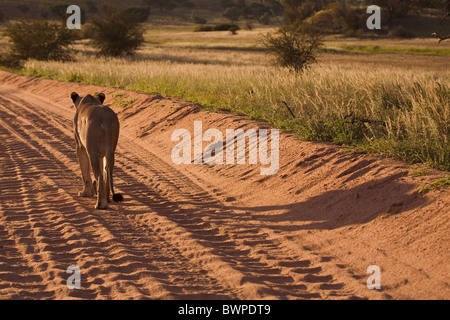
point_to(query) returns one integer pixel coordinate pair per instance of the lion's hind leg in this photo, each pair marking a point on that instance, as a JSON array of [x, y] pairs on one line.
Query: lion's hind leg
[[106, 177], [97, 167], [88, 187]]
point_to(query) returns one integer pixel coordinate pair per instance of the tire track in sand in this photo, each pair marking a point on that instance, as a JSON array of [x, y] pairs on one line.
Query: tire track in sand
[[169, 236], [107, 242]]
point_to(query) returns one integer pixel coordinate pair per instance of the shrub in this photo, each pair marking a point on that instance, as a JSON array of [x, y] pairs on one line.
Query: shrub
[[293, 49], [9, 60], [118, 33], [220, 27], [225, 27], [233, 30], [39, 39]]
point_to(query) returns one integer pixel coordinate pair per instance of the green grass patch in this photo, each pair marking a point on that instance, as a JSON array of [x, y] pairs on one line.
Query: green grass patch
[[387, 49], [438, 184], [418, 172], [120, 100]]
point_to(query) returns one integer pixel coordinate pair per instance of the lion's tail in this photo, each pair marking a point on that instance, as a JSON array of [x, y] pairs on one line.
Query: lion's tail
[[117, 197]]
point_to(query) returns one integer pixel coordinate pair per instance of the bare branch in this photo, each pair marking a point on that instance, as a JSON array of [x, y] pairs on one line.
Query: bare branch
[[440, 37], [446, 9]]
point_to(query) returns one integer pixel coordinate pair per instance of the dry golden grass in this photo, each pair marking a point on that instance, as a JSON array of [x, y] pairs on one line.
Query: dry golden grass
[[395, 104]]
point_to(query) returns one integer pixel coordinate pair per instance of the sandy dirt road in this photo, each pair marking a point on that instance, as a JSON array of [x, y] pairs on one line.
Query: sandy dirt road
[[205, 231]]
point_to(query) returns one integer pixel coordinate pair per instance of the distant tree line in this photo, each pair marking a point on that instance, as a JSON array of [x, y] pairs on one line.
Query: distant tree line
[[91, 8], [167, 5], [234, 10], [297, 40], [261, 11], [295, 10], [114, 31]]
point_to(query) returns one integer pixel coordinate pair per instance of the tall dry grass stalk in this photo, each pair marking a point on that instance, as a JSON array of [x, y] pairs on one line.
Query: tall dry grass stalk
[[382, 110]]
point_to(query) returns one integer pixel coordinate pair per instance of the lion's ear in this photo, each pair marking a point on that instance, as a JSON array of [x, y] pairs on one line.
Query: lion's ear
[[101, 97], [75, 98]]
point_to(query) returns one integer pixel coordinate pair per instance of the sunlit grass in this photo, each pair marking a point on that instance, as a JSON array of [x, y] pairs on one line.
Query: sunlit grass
[[361, 100], [394, 112], [381, 49]]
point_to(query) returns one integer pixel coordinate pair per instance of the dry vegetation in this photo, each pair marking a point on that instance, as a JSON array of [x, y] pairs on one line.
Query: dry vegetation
[[389, 97]]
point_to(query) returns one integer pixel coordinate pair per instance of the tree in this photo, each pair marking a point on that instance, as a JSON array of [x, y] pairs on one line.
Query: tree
[[446, 14], [118, 33], [233, 14], [396, 9], [293, 49], [295, 44], [39, 39], [446, 9], [295, 11]]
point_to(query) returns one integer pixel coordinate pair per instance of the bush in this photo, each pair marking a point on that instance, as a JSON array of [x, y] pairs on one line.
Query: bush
[[118, 33], [226, 27], [39, 39], [293, 49], [220, 27], [9, 60], [234, 30]]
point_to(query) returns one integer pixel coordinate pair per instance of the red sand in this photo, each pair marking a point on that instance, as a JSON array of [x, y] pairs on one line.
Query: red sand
[[205, 231]]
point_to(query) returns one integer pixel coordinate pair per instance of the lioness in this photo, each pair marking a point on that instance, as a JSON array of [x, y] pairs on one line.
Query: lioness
[[96, 130]]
